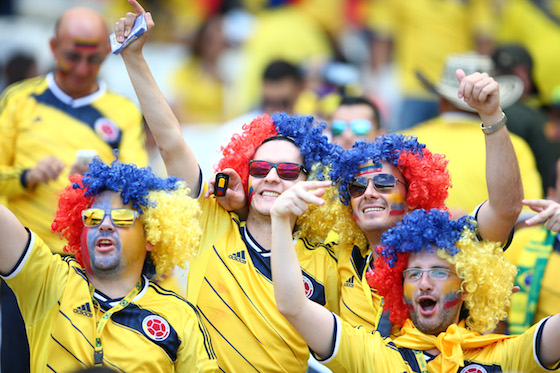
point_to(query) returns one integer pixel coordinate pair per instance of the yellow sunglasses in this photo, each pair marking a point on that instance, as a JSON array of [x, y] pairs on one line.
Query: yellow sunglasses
[[120, 217]]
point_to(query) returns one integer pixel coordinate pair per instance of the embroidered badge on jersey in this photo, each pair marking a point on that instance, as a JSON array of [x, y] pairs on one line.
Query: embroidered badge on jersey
[[473, 368], [239, 257], [107, 129], [308, 287], [156, 327], [84, 309]]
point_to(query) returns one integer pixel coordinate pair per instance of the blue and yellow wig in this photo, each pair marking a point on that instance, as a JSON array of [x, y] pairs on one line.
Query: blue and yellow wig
[[487, 278], [169, 215]]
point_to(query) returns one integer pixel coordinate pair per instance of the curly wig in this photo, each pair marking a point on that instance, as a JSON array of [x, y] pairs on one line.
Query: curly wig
[[425, 173], [169, 215], [304, 131], [487, 278]]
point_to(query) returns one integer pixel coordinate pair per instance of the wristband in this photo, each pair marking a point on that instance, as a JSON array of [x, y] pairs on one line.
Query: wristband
[[494, 127]]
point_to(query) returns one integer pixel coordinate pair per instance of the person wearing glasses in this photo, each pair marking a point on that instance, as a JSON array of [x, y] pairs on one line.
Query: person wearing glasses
[[46, 122], [355, 118], [230, 281], [380, 181], [125, 227], [443, 285]]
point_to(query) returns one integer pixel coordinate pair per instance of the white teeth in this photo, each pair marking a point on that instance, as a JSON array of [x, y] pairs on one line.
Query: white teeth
[[369, 209], [105, 242], [271, 194]]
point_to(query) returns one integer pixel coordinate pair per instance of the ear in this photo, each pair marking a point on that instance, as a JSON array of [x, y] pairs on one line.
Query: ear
[[52, 44], [149, 246], [550, 193]]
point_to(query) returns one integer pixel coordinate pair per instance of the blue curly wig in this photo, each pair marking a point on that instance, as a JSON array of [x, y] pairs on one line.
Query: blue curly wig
[[169, 216]]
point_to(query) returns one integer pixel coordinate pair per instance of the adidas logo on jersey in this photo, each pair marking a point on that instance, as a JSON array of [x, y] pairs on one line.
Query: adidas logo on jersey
[[84, 309], [350, 282], [238, 256]]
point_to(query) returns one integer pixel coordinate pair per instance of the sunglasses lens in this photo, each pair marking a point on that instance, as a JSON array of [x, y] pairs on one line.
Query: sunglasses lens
[[92, 217], [384, 182], [122, 217], [288, 171], [357, 187], [259, 168], [360, 127], [338, 127]]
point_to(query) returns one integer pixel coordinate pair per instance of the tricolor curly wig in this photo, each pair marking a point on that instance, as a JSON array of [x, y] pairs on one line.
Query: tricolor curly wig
[[304, 131], [487, 278], [426, 175], [169, 215]]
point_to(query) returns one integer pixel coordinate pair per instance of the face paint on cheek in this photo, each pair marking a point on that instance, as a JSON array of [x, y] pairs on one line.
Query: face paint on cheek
[[397, 203], [407, 295], [251, 192], [452, 293], [85, 251], [62, 67]]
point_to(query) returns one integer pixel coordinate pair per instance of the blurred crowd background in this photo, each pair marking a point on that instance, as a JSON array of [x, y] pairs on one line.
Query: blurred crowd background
[[210, 56]]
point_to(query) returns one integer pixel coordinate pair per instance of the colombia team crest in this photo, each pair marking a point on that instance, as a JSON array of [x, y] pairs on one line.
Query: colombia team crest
[[308, 285], [473, 368], [107, 130], [156, 327]]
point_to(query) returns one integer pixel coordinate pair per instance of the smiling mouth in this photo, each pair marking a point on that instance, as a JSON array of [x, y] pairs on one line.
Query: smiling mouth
[[270, 194], [373, 209]]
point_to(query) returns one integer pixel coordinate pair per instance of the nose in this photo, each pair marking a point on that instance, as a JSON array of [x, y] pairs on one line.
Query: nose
[[272, 175], [106, 224], [370, 190], [425, 282]]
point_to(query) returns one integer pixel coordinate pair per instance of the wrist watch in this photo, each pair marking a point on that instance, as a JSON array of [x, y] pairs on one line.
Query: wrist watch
[[494, 127]]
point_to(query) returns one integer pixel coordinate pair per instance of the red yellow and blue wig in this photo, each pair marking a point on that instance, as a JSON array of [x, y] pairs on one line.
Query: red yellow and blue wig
[[487, 278], [426, 176], [169, 215]]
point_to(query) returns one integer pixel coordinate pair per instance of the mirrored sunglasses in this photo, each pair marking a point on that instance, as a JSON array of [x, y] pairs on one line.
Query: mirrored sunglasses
[[120, 217], [381, 182], [285, 170], [360, 127]]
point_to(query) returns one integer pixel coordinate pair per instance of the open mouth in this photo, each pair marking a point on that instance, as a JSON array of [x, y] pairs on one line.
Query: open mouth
[[427, 306], [373, 209], [104, 244]]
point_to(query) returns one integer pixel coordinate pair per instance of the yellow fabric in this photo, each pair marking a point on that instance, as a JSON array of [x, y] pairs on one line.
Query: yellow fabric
[[35, 123], [199, 97], [521, 21], [451, 344], [459, 138], [425, 32]]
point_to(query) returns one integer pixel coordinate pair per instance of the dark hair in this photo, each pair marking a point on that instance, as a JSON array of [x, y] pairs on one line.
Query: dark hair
[[362, 100], [19, 67], [280, 70]]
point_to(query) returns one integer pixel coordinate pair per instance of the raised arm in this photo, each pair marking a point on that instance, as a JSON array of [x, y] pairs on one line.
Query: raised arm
[[312, 321], [498, 215], [179, 159], [14, 238]]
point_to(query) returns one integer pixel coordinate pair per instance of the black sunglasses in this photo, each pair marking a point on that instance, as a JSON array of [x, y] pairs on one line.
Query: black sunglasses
[[286, 170], [382, 182]]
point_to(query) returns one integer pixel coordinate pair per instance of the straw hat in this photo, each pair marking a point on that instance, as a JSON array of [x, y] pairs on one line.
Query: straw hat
[[511, 87]]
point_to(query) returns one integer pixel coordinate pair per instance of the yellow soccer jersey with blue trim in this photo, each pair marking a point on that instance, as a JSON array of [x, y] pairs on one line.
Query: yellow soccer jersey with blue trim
[[231, 284], [356, 350], [55, 301], [38, 120]]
